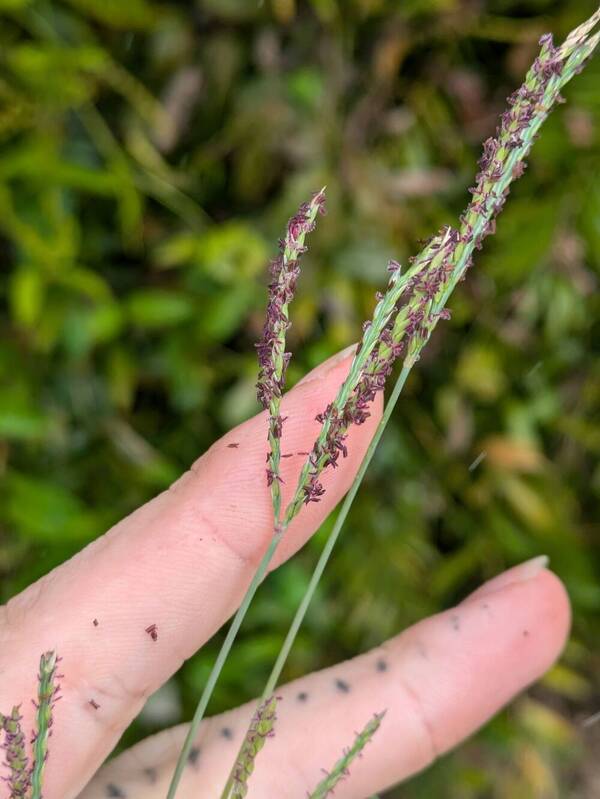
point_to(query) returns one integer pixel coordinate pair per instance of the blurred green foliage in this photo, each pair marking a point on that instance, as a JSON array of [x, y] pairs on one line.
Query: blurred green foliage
[[150, 155]]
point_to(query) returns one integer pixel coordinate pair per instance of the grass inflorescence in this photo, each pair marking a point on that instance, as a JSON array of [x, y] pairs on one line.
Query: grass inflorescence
[[272, 357], [261, 727], [26, 774], [341, 769], [19, 779]]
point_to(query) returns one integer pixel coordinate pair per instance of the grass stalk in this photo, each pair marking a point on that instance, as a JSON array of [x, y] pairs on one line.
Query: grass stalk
[[334, 534], [220, 662]]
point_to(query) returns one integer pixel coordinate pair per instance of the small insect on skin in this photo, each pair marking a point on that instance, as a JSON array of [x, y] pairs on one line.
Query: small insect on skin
[[152, 631], [95, 622], [233, 445], [94, 704]]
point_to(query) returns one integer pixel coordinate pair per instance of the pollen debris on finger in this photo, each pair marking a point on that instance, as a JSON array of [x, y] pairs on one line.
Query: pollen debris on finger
[[152, 631]]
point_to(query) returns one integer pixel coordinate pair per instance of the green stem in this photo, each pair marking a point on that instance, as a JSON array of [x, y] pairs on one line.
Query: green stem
[[333, 535], [220, 661]]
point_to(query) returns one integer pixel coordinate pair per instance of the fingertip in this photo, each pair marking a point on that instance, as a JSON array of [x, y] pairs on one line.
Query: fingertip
[[547, 596], [555, 609], [467, 662]]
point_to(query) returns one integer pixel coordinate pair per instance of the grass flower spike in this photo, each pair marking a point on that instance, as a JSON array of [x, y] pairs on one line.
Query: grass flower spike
[[25, 780], [47, 697], [17, 761], [272, 357], [369, 371], [261, 727], [341, 768]]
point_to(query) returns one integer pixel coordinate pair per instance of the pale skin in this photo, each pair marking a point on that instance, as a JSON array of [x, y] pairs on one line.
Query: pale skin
[[182, 562]]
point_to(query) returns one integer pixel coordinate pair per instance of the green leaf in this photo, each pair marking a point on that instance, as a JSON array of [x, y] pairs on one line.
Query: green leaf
[[43, 510], [229, 253], [20, 419], [480, 372], [84, 328], [228, 310], [154, 309], [116, 14], [27, 290]]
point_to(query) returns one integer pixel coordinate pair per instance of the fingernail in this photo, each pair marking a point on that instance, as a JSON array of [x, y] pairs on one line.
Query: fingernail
[[518, 574], [323, 368]]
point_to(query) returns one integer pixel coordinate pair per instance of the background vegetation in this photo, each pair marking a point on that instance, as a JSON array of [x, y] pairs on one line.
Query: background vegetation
[[150, 155]]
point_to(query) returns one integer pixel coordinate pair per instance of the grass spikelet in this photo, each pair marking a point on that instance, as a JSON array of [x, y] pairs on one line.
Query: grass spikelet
[[261, 727], [47, 697], [341, 768], [16, 755]]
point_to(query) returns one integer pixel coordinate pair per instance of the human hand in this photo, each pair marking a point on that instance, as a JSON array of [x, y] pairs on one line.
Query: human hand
[[183, 562]]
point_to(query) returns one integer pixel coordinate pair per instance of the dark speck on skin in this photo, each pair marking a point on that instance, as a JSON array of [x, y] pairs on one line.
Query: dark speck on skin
[[525, 633], [95, 622], [151, 774], [227, 733], [455, 621], [302, 696], [114, 791], [233, 445], [193, 756], [381, 665], [342, 686], [152, 631]]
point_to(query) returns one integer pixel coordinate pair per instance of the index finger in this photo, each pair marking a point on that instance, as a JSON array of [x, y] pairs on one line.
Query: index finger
[[131, 607]]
